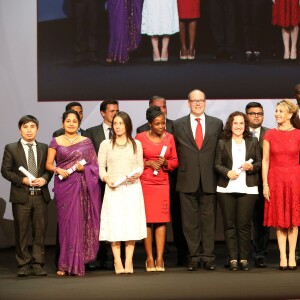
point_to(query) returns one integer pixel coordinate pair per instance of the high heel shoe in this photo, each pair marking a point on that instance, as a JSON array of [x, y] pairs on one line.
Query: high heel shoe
[[129, 270], [191, 54], [150, 269], [164, 59], [119, 271], [61, 273], [283, 268], [293, 56], [182, 56], [160, 269]]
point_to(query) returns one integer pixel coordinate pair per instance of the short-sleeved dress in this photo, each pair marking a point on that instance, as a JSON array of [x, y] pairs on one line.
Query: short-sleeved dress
[[156, 188], [283, 209], [123, 211], [188, 9], [286, 13]]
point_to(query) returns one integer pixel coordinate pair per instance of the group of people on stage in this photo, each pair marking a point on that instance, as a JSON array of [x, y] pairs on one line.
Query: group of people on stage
[[128, 20], [115, 188]]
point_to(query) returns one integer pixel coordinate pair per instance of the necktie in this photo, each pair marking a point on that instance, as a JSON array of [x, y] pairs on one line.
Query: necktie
[[199, 134], [31, 161], [110, 133], [253, 133]]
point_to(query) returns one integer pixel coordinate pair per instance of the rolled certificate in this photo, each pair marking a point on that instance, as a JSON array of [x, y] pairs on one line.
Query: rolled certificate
[[240, 169], [162, 154], [123, 179], [27, 173], [73, 168]]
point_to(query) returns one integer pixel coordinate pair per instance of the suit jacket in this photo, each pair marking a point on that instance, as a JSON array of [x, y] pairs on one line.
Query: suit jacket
[[224, 162], [96, 134], [61, 131], [196, 166], [13, 158], [146, 127]]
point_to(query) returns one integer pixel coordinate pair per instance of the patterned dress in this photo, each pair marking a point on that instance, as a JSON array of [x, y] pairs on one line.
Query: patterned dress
[[286, 13]]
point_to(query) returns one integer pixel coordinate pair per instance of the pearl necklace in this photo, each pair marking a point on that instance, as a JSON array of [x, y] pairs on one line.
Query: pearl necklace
[[71, 141]]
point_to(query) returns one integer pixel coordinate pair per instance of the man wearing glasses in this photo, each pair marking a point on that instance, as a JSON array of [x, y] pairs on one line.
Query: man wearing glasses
[[261, 234], [196, 136]]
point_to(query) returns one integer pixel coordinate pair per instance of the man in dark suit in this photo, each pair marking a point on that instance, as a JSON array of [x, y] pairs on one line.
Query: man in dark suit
[[99, 133], [77, 107], [29, 196], [179, 239], [196, 179], [261, 234]]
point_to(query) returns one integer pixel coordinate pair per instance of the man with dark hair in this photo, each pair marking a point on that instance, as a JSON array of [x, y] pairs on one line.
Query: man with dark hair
[[99, 133], [261, 234], [29, 195], [76, 106], [179, 239]]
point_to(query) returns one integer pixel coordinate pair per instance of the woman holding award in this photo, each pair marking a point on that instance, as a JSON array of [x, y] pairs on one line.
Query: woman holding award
[[123, 212], [77, 196], [160, 156]]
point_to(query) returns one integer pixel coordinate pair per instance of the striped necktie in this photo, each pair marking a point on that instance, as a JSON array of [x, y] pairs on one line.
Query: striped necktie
[[31, 161]]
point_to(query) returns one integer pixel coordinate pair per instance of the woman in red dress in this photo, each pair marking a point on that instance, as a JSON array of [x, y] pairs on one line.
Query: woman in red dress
[[286, 14], [281, 177], [189, 12], [155, 183]]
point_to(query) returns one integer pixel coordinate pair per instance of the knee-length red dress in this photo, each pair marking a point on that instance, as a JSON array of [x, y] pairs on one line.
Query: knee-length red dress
[[286, 13], [156, 188], [188, 9], [283, 209]]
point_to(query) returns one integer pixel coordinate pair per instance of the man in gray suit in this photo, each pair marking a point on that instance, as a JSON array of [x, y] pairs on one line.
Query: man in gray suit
[[261, 234], [29, 197], [99, 133], [196, 181]]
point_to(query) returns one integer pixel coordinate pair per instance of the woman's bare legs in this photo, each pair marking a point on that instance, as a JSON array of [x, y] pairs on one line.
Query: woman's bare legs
[[192, 38], [292, 238], [286, 42], [148, 248], [129, 249], [165, 46], [116, 250], [160, 238], [156, 53], [294, 39], [182, 34], [282, 239]]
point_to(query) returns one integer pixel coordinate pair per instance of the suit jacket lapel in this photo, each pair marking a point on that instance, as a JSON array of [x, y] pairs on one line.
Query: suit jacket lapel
[[22, 155], [228, 148], [187, 128], [249, 146]]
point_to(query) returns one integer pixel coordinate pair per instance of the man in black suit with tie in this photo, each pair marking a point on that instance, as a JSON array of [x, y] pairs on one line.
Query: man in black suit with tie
[[196, 137], [108, 109], [29, 196], [179, 239], [261, 234], [78, 108]]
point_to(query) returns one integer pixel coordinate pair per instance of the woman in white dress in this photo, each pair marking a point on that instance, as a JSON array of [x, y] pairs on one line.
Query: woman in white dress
[[123, 212], [160, 18]]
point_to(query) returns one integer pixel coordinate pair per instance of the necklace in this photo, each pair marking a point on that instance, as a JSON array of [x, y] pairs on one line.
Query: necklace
[[71, 141], [121, 146], [288, 129]]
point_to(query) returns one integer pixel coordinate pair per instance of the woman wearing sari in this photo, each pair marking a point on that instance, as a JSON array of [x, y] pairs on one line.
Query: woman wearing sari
[[125, 17], [77, 196]]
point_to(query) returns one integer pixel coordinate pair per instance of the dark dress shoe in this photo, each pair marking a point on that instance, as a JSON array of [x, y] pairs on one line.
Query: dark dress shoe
[[38, 270], [248, 56], [91, 266], [233, 265], [257, 56], [244, 265], [292, 268], [192, 266], [24, 271], [102, 265], [283, 268], [260, 262], [209, 265]]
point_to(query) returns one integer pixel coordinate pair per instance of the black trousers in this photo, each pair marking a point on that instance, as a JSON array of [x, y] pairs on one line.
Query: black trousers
[[237, 210], [251, 12], [32, 214], [86, 25], [222, 21], [198, 211]]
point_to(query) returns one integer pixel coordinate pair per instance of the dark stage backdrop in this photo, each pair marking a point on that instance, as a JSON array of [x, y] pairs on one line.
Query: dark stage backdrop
[[61, 79]]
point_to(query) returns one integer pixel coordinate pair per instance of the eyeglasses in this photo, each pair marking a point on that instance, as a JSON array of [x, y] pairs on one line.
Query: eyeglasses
[[197, 101], [252, 114]]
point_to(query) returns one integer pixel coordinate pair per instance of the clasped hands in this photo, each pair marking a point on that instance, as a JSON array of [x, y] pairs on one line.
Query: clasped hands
[[38, 182], [233, 175], [156, 165], [65, 174]]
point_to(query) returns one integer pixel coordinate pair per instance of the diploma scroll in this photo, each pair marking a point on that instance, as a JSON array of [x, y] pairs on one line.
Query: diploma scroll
[[27, 173], [73, 168], [129, 175], [162, 154], [240, 169]]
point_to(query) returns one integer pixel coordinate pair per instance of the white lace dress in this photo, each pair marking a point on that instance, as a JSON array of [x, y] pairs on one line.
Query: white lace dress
[[123, 211], [160, 17]]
